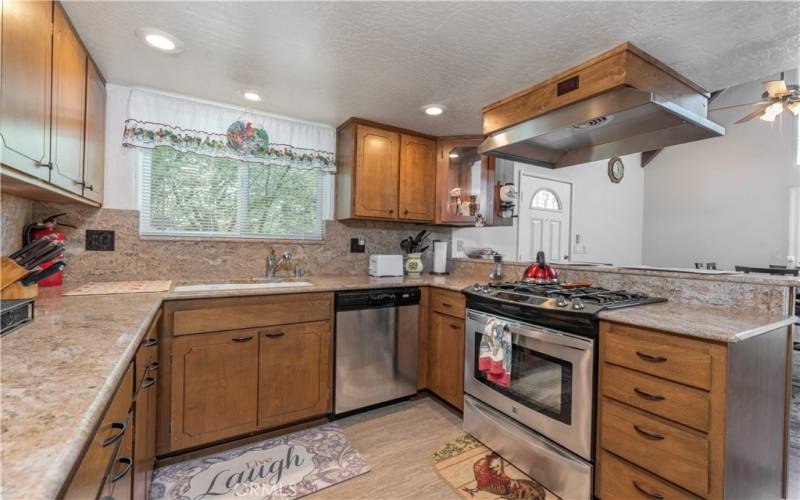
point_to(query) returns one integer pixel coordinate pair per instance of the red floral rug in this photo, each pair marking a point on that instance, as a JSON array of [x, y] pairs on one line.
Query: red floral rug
[[474, 471]]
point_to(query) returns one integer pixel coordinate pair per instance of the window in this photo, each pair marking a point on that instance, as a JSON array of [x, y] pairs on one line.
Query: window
[[544, 199], [189, 194]]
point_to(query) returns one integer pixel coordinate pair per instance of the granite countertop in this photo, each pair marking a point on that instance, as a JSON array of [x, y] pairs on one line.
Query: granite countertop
[[701, 321], [58, 374]]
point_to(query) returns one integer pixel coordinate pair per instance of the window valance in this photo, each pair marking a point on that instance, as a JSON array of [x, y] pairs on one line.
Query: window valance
[[193, 127]]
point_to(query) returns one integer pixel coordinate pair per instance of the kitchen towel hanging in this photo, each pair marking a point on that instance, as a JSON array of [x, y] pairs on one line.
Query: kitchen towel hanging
[[186, 125], [494, 355]]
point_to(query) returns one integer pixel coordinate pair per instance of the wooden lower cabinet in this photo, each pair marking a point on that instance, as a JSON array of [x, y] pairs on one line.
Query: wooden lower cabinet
[[294, 373], [446, 358], [683, 417], [214, 387], [91, 474]]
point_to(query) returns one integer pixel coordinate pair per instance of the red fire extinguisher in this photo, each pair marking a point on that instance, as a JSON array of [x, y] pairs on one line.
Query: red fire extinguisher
[[48, 226]]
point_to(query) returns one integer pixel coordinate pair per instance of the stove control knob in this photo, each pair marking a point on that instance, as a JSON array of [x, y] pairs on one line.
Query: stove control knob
[[561, 301], [577, 304], [477, 287], [487, 289]]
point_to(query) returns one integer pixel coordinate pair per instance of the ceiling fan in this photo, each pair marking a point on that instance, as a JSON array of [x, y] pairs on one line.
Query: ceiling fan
[[777, 96]]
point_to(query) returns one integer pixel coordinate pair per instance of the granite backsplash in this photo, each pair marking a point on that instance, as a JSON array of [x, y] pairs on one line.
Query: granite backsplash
[[136, 258], [15, 214]]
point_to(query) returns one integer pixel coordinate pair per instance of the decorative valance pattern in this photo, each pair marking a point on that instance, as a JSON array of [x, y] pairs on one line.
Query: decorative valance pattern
[[194, 127]]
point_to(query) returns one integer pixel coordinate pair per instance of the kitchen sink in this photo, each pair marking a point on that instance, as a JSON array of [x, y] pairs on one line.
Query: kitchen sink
[[240, 286]]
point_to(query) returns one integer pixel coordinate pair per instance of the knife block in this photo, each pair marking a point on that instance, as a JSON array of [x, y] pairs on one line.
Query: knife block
[[10, 272], [17, 290]]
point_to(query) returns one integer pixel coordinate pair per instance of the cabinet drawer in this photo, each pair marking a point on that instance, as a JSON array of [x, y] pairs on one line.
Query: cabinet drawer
[[681, 360], [90, 475], [214, 315], [619, 479], [447, 302], [675, 454], [676, 402]]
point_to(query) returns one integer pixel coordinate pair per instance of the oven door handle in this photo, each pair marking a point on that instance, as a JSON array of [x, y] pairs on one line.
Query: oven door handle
[[539, 333]]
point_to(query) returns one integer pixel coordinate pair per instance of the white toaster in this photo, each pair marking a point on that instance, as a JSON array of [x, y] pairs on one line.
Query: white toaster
[[385, 265]]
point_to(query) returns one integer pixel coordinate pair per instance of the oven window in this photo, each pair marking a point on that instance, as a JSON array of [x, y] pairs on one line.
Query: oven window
[[539, 381]]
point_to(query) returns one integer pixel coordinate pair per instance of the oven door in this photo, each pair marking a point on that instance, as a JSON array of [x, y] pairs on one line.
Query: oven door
[[550, 388]]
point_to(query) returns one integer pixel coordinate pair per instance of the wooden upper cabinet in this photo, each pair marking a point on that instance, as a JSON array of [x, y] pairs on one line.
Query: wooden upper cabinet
[[25, 81], [417, 178], [69, 104], [214, 387], [295, 375], [464, 182], [377, 172], [94, 156]]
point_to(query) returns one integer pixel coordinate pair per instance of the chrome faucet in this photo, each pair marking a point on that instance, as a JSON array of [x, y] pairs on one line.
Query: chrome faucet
[[273, 264]]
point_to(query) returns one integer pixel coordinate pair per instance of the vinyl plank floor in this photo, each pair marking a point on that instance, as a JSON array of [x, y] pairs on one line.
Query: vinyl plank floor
[[398, 441]]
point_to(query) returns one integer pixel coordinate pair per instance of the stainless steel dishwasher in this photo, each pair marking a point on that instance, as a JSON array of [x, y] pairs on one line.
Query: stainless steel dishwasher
[[376, 347]]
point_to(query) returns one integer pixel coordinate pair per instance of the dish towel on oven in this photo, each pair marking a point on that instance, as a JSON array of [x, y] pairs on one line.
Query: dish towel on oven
[[494, 356]]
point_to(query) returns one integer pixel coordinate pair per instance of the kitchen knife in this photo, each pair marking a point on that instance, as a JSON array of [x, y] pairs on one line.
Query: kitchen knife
[[38, 252], [55, 252], [30, 246], [37, 277]]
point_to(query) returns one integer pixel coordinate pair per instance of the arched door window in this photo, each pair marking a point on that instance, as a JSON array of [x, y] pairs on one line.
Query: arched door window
[[545, 199]]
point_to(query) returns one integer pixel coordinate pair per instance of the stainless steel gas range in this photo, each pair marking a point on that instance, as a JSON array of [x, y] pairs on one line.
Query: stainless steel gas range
[[529, 376]]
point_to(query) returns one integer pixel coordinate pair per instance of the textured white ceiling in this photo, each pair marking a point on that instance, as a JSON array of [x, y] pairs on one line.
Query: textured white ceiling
[[327, 61]]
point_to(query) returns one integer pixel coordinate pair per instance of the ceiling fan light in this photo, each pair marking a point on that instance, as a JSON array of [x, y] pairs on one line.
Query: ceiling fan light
[[774, 109], [767, 117]]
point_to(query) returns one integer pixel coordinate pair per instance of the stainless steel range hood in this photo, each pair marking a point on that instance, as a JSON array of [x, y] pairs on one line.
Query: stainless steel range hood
[[620, 121]]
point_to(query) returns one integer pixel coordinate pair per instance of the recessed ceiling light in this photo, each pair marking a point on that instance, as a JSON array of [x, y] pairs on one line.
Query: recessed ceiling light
[[160, 40], [433, 109], [251, 96]]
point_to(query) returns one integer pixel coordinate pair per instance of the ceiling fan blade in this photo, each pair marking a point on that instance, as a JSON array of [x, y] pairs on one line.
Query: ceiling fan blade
[[775, 88], [752, 115], [738, 106]]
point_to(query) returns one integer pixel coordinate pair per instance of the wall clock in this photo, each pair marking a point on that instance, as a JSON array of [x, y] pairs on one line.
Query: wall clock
[[616, 170]]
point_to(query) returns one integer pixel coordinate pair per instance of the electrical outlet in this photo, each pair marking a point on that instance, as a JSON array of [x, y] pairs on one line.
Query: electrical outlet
[[357, 245], [99, 240]]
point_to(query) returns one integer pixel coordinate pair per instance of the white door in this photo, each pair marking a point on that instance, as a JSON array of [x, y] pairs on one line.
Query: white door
[[544, 219]]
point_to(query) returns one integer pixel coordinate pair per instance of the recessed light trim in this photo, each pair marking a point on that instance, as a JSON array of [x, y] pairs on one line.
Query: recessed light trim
[[251, 96], [433, 109], [160, 40]]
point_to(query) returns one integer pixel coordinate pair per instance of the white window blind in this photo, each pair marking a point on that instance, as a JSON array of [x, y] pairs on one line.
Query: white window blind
[[189, 194]]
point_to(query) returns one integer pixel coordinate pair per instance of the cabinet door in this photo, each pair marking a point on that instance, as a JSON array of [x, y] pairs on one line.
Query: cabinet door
[[417, 178], [377, 173], [95, 150], [69, 105], [25, 86], [295, 373], [214, 387], [446, 358], [464, 182]]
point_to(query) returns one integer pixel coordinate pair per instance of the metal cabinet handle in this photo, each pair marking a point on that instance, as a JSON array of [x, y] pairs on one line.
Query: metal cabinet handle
[[647, 395], [648, 494], [647, 434], [148, 382], [150, 343], [447, 304], [391, 211], [42, 164], [90, 187], [274, 335], [128, 464], [405, 212], [455, 326], [650, 357], [152, 367], [116, 437], [242, 339]]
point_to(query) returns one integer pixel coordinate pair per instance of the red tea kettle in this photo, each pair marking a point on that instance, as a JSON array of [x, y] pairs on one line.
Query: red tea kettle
[[541, 272]]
